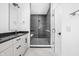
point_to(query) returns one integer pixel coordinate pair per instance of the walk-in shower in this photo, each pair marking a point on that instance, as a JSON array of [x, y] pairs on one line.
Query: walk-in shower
[[40, 28]]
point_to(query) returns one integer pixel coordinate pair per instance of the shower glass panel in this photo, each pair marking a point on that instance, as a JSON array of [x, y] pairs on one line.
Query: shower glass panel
[[40, 30]]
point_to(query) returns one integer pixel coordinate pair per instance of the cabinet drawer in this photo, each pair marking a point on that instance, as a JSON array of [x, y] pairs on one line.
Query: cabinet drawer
[[17, 49], [16, 40]]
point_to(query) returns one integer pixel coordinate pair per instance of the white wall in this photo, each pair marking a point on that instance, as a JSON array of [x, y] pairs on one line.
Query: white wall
[[39, 8], [13, 17], [24, 17], [20, 17], [4, 14], [70, 28]]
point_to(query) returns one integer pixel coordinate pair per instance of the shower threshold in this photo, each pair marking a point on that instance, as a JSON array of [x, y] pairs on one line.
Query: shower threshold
[[40, 46]]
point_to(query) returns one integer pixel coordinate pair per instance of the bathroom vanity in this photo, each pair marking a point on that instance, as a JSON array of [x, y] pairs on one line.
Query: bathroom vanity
[[12, 44]]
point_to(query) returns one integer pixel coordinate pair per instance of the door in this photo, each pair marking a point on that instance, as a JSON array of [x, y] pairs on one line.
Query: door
[[55, 30], [70, 29], [38, 25]]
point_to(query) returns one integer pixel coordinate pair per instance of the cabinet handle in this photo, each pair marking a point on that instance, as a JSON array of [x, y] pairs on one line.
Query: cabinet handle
[[18, 47], [25, 40], [18, 39], [20, 55]]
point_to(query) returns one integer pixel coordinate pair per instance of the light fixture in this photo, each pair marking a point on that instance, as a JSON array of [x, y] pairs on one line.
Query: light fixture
[[16, 5], [75, 13]]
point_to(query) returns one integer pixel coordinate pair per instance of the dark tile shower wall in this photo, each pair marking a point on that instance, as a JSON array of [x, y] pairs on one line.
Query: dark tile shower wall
[[42, 26], [38, 26], [34, 25]]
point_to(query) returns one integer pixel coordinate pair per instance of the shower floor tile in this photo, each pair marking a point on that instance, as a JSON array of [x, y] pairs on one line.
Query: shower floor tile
[[40, 41]]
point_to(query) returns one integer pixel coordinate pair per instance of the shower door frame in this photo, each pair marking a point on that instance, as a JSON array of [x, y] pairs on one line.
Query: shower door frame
[[50, 36], [52, 31]]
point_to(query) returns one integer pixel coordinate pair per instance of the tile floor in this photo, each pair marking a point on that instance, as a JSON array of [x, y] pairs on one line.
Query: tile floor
[[40, 52]]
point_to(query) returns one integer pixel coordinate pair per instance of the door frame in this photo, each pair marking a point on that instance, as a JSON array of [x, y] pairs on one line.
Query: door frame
[[51, 43], [52, 27], [58, 23]]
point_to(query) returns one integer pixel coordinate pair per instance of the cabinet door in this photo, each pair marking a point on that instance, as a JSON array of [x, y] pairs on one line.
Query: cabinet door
[[17, 49], [13, 17], [24, 44], [8, 52], [5, 45]]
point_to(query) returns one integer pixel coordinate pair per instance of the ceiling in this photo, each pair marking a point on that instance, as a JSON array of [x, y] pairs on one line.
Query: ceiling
[[39, 8]]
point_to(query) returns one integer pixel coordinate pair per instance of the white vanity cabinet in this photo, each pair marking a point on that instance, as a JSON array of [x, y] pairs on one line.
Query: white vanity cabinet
[[15, 47], [6, 48], [20, 46], [24, 44], [7, 52]]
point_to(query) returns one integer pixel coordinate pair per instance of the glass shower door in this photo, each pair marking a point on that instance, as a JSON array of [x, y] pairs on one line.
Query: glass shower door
[[39, 27]]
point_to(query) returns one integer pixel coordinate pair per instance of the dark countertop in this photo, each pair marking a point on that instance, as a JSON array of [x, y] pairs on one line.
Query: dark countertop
[[11, 35]]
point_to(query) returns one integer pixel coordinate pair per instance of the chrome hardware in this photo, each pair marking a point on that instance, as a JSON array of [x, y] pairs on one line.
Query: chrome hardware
[[18, 47]]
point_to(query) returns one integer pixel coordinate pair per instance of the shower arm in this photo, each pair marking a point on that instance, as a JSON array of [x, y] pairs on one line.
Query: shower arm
[[74, 13]]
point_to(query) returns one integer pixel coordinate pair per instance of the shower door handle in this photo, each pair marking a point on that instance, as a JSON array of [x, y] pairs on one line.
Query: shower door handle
[[53, 30]]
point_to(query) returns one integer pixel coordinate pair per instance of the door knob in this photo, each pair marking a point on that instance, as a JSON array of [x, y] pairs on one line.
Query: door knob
[[59, 33]]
